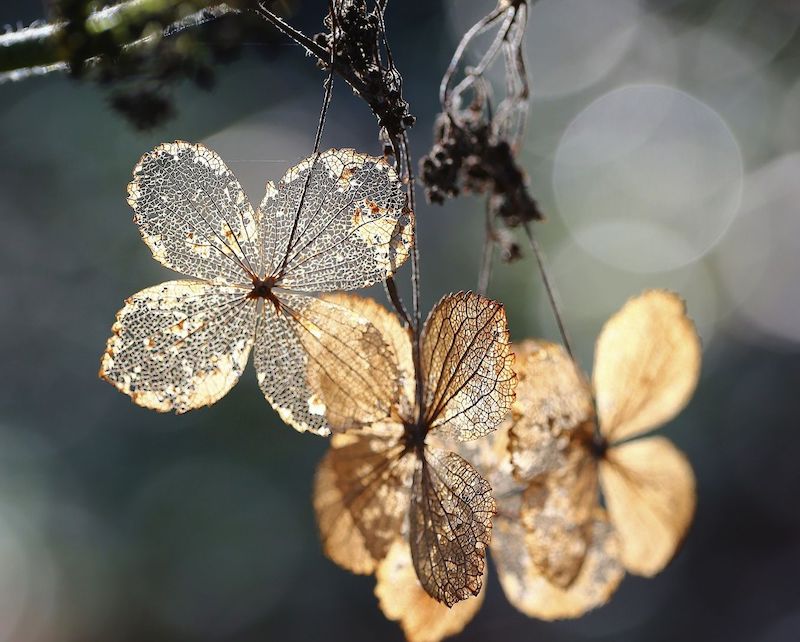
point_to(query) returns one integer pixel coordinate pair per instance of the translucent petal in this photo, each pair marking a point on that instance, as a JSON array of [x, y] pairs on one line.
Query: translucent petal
[[466, 365], [489, 455], [530, 592], [322, 367], [557, 512], [646, 365], [450, 526], [394, 334], [348, 229], [649, 490], [553, 406], [402, 598], [194, 215], [180, 345], [361, 496]]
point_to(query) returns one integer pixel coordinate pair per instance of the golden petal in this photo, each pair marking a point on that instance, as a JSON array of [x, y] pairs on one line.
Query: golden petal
[[557, 511], [402, 599], [649, 490], [394, 334], [322, 367], [552, 408], [466, 366], [180, 345], [361, 496], [646, 365], [530, 591]]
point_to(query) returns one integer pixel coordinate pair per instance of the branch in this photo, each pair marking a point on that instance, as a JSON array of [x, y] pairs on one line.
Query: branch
[[40, 49]]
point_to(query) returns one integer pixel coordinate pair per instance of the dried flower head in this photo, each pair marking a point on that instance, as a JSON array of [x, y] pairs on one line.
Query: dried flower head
[[559, 553], [386, 478], [363, 58], [476, 141], [338, 220]]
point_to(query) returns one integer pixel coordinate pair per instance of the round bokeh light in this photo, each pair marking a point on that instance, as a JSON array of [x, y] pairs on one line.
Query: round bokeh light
[[658, 168]]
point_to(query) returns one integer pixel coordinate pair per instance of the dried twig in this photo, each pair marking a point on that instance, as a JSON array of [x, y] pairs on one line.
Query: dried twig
[[475, 143]]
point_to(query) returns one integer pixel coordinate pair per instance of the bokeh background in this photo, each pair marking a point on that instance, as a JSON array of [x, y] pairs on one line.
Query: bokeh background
[[664, 146]]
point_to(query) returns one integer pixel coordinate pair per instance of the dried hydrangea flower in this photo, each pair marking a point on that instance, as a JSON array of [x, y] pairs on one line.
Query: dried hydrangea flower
[[559, 553], [381, 479], [338, 220]]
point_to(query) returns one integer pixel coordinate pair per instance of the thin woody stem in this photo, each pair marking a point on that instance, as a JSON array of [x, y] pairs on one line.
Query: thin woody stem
[[294, 34], [549, 289], [415, 289], [397, 303], [487, 256], [326, 101], [476, 29]]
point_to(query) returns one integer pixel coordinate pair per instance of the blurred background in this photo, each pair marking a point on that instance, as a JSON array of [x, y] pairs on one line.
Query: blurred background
[[663, 145]]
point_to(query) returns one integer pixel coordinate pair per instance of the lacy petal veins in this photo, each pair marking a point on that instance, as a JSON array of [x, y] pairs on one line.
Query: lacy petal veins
[[385, 480], [338, 220], [558, 552]]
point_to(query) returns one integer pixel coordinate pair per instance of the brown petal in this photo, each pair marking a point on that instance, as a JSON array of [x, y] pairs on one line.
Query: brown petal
[[394, 334], [557, 512], [450, 526], [646, 365], [402, 598], [530, 592], [322, 367], [649, 489], [553, 407], [466, 366], [361, 496]]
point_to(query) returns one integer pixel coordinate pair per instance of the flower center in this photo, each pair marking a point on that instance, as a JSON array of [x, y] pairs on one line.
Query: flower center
[[598, 446], [262, 289], [414, 437]]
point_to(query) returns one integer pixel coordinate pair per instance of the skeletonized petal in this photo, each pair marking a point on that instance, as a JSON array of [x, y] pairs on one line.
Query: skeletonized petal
[[394, 334], [557, 512], [450, 526], [646, 364], [552, 406], [489, 456], [336, 222], [530, 592], [180, 345], [193, 214], [466, 366], [649, 490], [322, 367], [361, 496], [402, 599]]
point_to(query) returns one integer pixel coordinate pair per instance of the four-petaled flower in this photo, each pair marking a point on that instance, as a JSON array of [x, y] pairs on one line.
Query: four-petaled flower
[[336, 221], [384, 479]]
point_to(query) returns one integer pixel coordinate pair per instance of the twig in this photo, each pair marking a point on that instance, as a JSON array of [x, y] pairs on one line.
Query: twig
[[326, 101], [39, 49], [487, 254], [394, 296], [549, 289]]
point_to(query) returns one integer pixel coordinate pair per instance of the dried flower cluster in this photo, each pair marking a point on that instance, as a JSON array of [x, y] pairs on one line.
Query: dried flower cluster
[[364, 60], [476, 141], [335, 221], [442, 445], [423, 461]]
